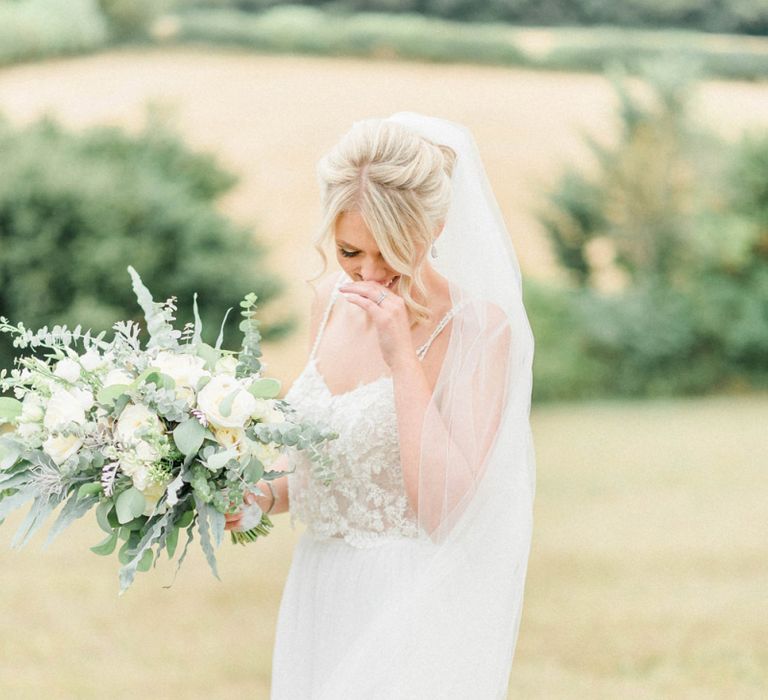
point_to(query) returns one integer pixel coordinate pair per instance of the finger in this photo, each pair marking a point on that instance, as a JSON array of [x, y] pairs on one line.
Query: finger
[[361, 301], [231, 523]]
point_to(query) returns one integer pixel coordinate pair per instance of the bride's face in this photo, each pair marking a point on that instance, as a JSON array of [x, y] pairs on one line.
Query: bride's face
[[358, 254]]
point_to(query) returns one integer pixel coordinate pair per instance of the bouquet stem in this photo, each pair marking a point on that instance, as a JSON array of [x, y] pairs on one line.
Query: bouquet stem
[[246, 536]]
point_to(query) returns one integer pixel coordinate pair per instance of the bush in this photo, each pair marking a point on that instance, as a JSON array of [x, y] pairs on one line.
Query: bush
[[685, 217], [131, 19], [742, 16], [76, 209], [39, 28]]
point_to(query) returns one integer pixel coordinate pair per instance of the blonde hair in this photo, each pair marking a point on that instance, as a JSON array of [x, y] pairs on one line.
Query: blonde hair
[[399, 182]]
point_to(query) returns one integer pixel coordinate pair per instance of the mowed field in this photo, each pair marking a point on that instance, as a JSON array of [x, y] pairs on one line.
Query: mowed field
[[649, 564]]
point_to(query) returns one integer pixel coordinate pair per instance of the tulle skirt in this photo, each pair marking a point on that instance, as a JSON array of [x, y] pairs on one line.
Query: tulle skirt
[[333, 594]]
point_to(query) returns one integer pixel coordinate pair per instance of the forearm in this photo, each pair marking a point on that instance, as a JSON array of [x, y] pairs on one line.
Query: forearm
[[425, 466], [280, 487], [281, 496]]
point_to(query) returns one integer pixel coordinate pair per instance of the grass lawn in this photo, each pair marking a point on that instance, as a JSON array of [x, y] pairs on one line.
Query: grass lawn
[[647, 577]]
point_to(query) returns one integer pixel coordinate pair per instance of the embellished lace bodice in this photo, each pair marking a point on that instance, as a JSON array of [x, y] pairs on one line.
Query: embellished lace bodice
[[365, 503]]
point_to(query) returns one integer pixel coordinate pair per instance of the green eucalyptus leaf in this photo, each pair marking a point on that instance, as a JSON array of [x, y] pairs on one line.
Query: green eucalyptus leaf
[[106, 546], [186, 519], [253, 471], [145, 563], [189, 436], [10, 409], [89, 489], [210, 354], [108, 394], [265, 388], [130, 504], [171, 541]]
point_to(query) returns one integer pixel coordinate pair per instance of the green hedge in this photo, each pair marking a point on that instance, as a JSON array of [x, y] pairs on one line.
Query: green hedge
[[740, 16], [76, 209], [298, 29], [35, 29]]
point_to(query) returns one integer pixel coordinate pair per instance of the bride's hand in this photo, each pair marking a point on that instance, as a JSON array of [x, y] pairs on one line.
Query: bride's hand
[[390, 318], [233, 519]]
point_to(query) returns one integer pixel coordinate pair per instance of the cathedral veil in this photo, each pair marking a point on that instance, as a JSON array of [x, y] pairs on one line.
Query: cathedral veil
[[451, 631]]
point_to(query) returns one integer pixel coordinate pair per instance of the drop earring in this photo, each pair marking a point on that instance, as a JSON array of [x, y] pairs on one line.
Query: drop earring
[[433, 251]]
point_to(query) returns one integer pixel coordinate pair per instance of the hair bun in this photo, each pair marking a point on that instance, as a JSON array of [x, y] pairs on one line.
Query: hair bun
[[449, 158]]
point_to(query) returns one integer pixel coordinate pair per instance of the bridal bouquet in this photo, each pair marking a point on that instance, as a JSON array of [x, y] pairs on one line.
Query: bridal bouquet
[[156, 440]]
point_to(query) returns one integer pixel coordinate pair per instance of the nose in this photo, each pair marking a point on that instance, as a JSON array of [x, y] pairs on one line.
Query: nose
[[371, 271]]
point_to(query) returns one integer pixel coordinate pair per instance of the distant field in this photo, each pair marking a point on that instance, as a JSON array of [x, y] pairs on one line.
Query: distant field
[[647, 578]]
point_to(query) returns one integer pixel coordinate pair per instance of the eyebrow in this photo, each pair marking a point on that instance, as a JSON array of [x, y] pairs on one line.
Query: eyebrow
[[346, 245]]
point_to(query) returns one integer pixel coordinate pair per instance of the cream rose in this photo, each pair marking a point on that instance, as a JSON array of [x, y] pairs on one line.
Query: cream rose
[[63, 408], [186, 370], [213, 394], [134, 417], [232, 438], [60, 447]]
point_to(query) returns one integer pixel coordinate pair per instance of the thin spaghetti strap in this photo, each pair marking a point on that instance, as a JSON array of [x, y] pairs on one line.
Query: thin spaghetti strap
[[326, 314], [422, 350]]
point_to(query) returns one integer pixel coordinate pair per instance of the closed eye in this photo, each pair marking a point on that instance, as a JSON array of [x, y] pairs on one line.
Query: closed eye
[[348, 253]]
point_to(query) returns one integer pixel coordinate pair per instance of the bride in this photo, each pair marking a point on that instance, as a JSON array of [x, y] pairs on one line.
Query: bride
[[408, 581]]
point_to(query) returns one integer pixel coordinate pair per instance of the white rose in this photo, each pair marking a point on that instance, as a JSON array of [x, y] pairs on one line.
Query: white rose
[[91, 360], [136, 469], [60, 447], [63, 407], [67, 369], [31, 433], [226, 365], [117, 376], [212, 395], [32, 409], [133, 417], [266, 412], [83, 396], [186, 370]]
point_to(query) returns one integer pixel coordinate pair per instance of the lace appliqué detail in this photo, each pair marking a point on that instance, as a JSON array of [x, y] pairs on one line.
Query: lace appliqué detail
[[366, 502]]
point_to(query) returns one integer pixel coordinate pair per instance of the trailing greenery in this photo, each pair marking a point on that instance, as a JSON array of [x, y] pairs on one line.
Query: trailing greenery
[[666, 243], [36, 29], [298, 29], [76, 208], [740, 16]]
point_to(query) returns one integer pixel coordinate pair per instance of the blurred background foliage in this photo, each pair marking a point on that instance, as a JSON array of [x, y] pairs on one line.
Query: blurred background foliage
[[77, 208], [581, 35], [666, 245]]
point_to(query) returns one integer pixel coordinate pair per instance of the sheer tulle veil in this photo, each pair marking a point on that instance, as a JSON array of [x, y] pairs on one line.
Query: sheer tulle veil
[[452, 631]]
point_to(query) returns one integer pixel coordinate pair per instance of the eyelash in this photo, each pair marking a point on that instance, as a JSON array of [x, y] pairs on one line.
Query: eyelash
[[347, 254]]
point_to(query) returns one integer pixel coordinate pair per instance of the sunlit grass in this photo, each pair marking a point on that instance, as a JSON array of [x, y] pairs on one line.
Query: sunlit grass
[[647, 577]]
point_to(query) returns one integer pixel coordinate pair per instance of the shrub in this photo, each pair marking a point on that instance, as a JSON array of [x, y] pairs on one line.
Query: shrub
[[76, 209], [686, 219], [39, 28]]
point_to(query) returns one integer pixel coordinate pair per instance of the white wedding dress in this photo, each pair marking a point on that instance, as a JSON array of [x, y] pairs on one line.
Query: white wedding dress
[[362, 543]]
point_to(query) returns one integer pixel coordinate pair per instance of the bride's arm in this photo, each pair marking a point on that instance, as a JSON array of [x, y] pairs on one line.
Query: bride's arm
[[280, 485], [449, 466]]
